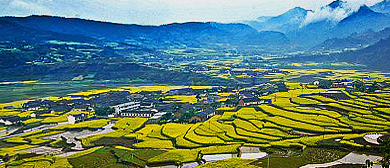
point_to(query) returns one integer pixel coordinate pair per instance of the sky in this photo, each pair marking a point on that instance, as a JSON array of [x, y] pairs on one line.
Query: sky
[[157, 12]]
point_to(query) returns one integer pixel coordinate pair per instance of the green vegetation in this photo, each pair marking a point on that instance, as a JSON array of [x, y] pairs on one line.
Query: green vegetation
[[301, 120], [229, 163], [308, 156], [176, 156], [104, 157], [93, 124], [124, 127]]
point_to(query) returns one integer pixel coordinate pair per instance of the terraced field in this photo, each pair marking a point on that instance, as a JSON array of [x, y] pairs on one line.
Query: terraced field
[[299, 118]]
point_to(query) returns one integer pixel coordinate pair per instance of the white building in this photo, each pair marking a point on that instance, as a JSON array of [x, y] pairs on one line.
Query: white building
[[72, 119], [143, 113], [157, 115], [126, 106]]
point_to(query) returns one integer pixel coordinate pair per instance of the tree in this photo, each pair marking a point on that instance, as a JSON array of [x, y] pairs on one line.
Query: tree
[[385, 149], [325, 84], [104, 111], [358, 86], [368, 164], [167, 116], [198, 97]]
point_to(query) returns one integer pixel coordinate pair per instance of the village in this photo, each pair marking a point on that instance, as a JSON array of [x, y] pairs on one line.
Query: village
[[259, 120], [158, 107]]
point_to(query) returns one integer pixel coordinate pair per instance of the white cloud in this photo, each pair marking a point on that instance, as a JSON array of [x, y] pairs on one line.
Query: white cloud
[[335, 15]]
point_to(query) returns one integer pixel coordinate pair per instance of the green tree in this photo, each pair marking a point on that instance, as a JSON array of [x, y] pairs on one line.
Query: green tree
[[368, 164], [325, 84], [385, 149], [104, 111]]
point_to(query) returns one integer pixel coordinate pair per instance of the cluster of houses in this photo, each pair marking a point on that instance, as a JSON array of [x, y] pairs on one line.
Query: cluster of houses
[[147, 104], [349, 84], [252, 72]]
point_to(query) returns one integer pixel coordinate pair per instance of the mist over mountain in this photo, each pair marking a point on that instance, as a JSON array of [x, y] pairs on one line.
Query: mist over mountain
[[338, 19], [289, 21]]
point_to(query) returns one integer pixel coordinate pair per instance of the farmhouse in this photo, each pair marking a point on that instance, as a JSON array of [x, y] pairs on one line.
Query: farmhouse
[[33, 105], [82, 107], [253, 101], [202, 116], [72, 119], [229, 103]]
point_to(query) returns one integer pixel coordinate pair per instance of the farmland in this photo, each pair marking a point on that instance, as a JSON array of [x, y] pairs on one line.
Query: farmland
[[277, 91], [302, 119]]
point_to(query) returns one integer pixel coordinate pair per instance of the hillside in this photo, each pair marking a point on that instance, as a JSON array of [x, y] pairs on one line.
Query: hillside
[[192, 34], [376, 56], [338, 19], [355, 40], [286, 22], [382, 7], [15, 33]]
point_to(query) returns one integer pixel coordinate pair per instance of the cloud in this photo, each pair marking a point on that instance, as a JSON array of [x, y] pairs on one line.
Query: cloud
[[334, 15]]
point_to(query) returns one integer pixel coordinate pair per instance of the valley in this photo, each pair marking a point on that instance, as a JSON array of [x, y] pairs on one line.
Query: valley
[[302, 89]]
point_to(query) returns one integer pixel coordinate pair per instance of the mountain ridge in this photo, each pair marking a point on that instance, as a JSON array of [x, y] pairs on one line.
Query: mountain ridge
[[191, 33]]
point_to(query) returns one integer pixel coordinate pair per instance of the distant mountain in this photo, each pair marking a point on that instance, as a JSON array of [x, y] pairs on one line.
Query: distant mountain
[[355, 40], [264, 18], [376, 56], [13, 32], [361, 21], [336, 4], [289, 21], [300, 30], [358, 22], [382, 7], [191, 34]]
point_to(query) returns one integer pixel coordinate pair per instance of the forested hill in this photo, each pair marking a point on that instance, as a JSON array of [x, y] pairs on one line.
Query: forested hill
[[191, 34]]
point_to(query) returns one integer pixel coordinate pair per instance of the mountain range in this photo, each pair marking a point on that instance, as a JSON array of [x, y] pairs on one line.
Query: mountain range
[[354, 41], [190, 34], [289, 21], [382, 7], [298, 27]]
